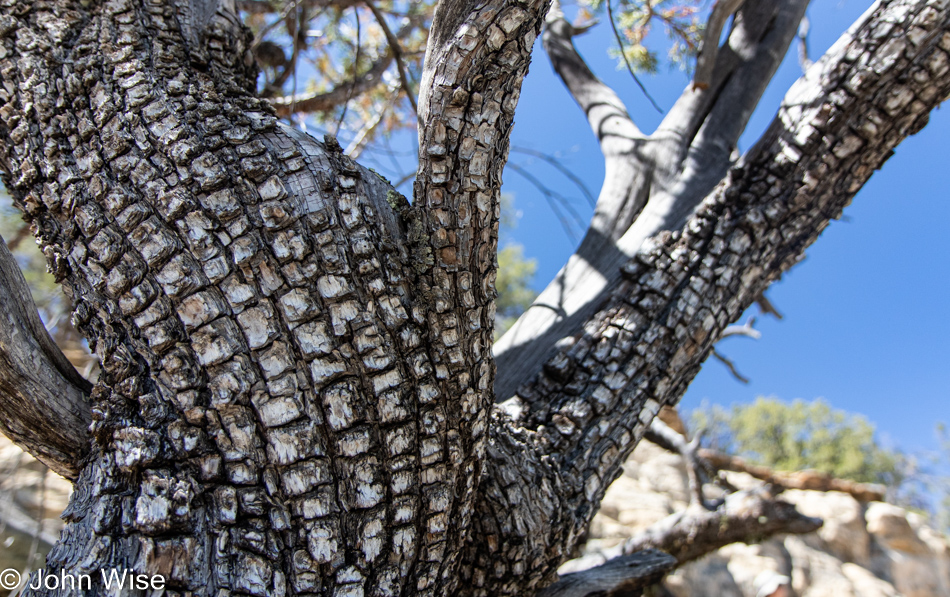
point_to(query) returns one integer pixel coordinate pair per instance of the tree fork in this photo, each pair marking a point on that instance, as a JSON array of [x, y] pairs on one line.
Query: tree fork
[[297, 384]]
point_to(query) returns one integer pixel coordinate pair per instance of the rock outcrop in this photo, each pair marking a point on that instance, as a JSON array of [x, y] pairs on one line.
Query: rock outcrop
[[863, 550]]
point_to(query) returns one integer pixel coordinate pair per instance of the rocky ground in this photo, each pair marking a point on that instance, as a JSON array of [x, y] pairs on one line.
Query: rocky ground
[[863, 550]]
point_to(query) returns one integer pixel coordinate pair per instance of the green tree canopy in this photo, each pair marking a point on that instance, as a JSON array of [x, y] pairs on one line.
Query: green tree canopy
[[800, 435]]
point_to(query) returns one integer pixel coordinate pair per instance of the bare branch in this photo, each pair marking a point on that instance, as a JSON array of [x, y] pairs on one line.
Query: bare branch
[[554, 199], [706, 61], [730, 365], [664, 436], [622, 576], [266, 7], [745, 517], [44, 402], [809, 479], [328, 100], [623, 53], [745, 329], [396, 50], [606, 113], [560, 168], [364, 135], [803, 58]]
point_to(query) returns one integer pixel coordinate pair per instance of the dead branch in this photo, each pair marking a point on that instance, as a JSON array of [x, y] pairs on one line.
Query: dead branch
[[697, 471], [44, 402], [622, 576], [328, 100], [766, 306], [730, 365], [706, 61], [745, 517], [809, 479]]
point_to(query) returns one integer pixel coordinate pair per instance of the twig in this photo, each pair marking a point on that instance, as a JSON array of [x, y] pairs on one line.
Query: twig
[[745, 329], [361, 140], [613, 25], [560, 168], [553, 199], [766, 306], [730, 365], [397, 54], [356, 70]]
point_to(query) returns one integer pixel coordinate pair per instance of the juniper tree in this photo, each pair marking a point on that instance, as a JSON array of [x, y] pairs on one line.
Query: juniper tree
[[298, 391]]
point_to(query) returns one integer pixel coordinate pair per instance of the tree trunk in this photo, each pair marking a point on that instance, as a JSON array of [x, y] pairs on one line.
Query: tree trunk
[[297, 382]]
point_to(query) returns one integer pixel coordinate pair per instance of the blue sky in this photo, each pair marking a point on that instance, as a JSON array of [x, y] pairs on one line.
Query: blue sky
[[864, 324]]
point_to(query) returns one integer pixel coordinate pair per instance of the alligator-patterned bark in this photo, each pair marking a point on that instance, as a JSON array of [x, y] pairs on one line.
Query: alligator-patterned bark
[[297, 390]]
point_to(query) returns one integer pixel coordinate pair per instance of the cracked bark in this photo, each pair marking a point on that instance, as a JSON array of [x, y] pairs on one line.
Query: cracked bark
[[296, 394]]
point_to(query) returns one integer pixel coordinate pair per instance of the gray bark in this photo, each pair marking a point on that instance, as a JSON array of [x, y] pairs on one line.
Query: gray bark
[[296, 390], [652, 183], [44, 402]]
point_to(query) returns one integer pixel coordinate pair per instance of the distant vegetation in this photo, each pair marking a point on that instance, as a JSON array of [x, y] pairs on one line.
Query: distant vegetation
[[798, 435]]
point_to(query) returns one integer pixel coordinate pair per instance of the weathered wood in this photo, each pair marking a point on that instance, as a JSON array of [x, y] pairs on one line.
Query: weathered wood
[[809, 479], [592, 401], [746, 516], [44, 402], [296, 395], [653, 183], [296, 378], [623, 576]]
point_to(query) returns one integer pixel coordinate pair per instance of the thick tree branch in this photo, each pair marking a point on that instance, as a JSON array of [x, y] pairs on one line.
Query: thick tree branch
[[623, 576], [593, 400], [746, 516], [44, 402], [640, 198], [606, 113], [267, 7], [706, 60]]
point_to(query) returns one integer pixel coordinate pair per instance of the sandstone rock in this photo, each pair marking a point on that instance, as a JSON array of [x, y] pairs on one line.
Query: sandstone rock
[[863, 550], [844, 534]]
